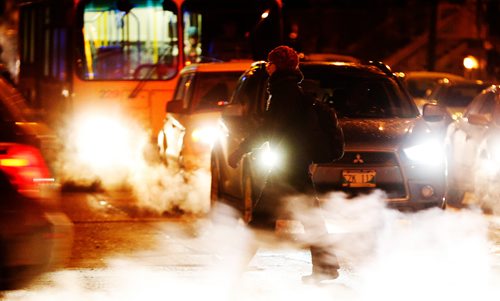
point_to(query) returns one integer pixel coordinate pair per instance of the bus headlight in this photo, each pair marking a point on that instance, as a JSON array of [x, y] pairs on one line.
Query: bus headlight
[[430, 153], [104, 141]]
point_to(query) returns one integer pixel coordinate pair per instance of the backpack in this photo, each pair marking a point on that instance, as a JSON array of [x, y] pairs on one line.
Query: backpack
[[325, 135]]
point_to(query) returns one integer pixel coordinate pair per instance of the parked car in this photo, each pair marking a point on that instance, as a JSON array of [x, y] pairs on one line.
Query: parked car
[[421, 84], [389, 145], [191, 118], [473, 151], [35, 235]]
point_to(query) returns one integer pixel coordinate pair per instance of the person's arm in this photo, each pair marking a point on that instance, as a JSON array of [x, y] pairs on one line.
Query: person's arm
[[256, 137]]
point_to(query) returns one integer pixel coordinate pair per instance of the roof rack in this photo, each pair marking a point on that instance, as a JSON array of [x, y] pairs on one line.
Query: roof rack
[[383, 67]]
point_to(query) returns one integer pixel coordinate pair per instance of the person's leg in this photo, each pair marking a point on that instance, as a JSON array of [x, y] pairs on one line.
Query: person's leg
[[325, 264]]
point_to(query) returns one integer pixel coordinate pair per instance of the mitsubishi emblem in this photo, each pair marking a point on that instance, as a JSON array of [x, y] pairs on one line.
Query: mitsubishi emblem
[[358, 159]]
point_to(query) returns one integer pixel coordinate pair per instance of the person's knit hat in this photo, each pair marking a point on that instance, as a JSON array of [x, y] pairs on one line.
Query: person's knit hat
[[284, 57]]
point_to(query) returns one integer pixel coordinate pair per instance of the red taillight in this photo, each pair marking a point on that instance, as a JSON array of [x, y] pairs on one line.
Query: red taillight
[[25, 167]]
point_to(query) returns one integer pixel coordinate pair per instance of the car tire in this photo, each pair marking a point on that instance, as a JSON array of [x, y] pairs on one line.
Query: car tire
[[215, 193], [248, 198], [454, 197]]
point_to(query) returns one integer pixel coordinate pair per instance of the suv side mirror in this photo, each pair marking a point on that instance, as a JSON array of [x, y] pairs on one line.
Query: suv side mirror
[[433, 112], [175, 106], [479, 119]]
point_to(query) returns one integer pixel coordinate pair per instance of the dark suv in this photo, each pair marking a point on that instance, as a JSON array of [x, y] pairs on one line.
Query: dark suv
[[389, 144]]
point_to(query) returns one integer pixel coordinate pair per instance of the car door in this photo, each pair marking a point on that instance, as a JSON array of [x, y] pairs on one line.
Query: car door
[[467, 137], [247, 99], [173, 131]]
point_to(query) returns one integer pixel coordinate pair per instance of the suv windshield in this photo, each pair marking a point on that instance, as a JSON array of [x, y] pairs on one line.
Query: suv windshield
[[358, 94], [213, 90]]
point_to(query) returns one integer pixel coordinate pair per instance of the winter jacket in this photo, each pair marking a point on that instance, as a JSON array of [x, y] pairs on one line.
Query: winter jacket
[[284, 128]]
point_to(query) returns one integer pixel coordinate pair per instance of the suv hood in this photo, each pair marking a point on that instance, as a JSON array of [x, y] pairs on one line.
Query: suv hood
[[383, 133]]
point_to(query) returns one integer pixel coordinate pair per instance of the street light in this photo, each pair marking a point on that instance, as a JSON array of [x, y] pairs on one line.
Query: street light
[[470, 64]]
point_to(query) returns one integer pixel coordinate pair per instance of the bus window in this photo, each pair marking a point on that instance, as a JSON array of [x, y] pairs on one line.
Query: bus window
[[80, 59], [139, 42]]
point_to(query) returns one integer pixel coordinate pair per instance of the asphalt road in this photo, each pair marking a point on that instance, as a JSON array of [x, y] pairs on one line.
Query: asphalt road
[[125, 252]]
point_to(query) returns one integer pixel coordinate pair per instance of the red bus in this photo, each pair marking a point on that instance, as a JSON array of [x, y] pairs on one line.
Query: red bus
[[120, 59]]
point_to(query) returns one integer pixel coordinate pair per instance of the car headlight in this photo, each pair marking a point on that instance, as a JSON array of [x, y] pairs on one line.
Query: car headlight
[[430, 152], [456, 115], [268, 158], [205, 135]]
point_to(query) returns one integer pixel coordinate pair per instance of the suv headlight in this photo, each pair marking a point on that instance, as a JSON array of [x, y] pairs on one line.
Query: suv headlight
[[205, 135], [267, 158], [429, 152]]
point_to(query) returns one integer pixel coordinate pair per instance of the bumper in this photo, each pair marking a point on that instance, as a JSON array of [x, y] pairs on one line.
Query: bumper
[[35, 236], [406, 187]]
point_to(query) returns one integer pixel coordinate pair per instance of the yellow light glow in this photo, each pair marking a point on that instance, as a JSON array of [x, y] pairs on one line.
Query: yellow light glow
[[14, 162], [470, 62], [205, 135], [456, 116], [265, 14]]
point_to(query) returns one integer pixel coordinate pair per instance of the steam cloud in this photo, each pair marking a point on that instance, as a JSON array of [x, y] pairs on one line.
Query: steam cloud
[[384, 254], [124, 160]]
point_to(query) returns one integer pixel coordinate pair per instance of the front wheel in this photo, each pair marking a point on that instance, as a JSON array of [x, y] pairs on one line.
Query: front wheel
[[248, 198], [454, 196], [214, 183]]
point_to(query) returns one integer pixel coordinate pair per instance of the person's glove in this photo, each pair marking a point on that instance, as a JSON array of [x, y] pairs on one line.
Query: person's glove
[[234, 158]]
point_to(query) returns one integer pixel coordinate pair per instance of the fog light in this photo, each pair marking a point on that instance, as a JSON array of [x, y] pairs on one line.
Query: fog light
[[427, 191]]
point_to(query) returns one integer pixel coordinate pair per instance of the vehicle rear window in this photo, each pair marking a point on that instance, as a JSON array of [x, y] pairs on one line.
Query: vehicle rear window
[[459, 95], [359, 95], [213, 90]]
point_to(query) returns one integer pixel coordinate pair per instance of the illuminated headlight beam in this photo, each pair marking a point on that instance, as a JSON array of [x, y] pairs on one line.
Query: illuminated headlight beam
[[205, 135], [268, 158], [430, 153], [103, 141]]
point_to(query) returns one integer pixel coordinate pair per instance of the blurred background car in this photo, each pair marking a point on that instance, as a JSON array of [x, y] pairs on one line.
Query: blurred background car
[[421, 84], [330, 57], [23, 124], [473, 152], [35, 235], [389, 145], [456, 95], [189, 128]]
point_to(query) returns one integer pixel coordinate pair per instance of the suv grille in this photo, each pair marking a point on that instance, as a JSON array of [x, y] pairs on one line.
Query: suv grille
[[388, 178], [378, 158]]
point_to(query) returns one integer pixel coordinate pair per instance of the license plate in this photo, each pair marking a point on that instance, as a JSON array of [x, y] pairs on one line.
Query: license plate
[[358, 178]]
